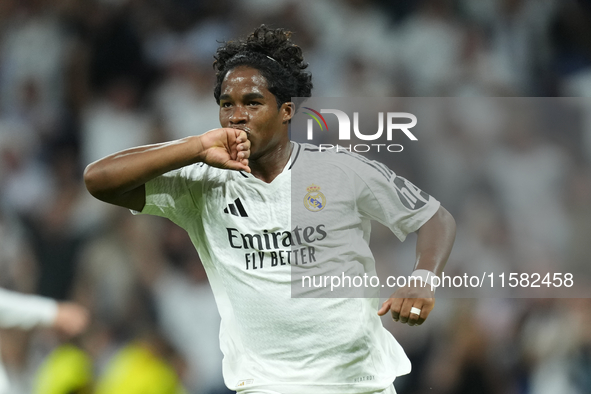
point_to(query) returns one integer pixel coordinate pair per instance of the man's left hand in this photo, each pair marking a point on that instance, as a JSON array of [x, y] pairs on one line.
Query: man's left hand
[[403, 302]]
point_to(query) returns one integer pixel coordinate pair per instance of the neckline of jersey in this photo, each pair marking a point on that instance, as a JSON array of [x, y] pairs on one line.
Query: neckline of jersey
[[295, 152]]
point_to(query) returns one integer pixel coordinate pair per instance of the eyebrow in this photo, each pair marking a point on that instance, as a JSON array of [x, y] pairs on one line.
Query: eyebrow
[[246, 97]]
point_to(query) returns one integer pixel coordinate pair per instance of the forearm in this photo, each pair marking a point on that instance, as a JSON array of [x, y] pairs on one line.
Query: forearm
[[113, 176], [435, 241], [412, 304]]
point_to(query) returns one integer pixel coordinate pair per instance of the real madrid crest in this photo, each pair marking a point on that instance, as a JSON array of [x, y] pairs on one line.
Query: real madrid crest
[[314, 201]]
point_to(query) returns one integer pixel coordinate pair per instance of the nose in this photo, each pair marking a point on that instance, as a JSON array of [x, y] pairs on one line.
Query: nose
[[239, 115]]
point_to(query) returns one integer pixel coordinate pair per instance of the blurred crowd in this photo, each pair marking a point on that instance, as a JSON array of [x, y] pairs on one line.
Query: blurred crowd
[[80, 79]]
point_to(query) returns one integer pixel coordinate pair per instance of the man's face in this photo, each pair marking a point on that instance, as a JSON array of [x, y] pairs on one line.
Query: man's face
[[246, 103]]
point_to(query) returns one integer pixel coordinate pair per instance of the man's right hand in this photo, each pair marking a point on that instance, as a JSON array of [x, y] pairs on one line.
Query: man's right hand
[[119, 178], [225, 148], [71, 319]]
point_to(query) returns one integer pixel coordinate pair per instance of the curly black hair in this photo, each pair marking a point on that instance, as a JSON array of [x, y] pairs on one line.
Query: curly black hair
[[276, 57]]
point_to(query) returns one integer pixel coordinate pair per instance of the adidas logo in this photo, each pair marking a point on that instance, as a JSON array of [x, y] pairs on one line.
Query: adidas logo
[[236, 209]]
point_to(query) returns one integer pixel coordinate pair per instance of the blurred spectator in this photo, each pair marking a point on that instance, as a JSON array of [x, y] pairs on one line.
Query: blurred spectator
[[54, 227], [549, 346], [579, 199], [139, 368], [115, 122], [34, 48], [106, 281], [27, 311], [184, 100], [67, 370], [184, 304], [523, 170], [432, 33]]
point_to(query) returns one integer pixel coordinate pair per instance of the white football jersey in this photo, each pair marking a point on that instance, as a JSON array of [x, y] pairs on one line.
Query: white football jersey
[[259, 240]]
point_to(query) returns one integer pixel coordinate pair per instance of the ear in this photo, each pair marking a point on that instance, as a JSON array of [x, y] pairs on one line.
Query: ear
[[288, 111]]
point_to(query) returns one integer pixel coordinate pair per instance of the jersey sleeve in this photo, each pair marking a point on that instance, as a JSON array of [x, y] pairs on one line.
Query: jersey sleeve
[[391, 199], [173, 195], [25, 311]]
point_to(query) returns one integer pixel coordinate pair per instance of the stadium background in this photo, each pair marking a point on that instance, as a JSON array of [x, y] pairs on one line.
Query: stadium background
[[80, 79]]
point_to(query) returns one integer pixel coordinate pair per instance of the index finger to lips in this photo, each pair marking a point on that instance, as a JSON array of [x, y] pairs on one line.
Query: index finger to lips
[[241, 135]]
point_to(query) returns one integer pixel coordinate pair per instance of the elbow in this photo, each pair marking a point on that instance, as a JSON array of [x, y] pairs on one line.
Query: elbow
[[91, 180], [447, 220], [442, 224]]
